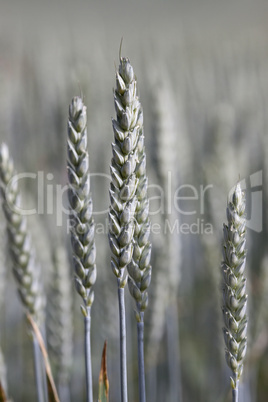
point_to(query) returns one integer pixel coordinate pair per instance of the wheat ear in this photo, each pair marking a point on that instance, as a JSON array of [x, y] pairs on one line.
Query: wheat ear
[[234, 287], [168, 132], [139, 269], [123, 187], [81, 221], [25, 269]]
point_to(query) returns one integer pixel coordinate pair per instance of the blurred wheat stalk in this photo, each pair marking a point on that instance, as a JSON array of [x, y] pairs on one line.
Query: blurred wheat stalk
[[170, 163], [60, 321], [25, 268]]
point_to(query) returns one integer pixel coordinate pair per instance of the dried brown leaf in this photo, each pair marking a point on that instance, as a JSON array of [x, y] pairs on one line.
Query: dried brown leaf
[[103, 377]]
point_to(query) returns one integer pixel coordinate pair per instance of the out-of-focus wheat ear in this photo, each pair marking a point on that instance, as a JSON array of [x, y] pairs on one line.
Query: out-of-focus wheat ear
[[168, 139], [127, 131], [25, 269], [216, 169], [81, 221], [21, 252], [217, 174], [60, 321], [234, 287]]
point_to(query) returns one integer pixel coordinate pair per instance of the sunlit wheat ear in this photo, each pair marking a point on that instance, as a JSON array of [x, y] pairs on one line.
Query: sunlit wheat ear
[[234, 287], [25, 269], [81, 221]]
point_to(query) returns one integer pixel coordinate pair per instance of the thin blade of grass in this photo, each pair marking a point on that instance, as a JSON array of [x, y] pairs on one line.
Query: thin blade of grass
[[103, 377], [52, 391]]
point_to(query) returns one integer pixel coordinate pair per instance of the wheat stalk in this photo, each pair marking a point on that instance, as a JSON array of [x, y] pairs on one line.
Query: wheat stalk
[[25, 269], [217, 172], [22, 254], [59, 321], [167, 138], [234, 287], [81, 221], [127, 129], [139, 269]]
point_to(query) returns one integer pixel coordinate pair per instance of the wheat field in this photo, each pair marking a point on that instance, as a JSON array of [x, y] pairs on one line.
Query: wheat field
[[201, 70]]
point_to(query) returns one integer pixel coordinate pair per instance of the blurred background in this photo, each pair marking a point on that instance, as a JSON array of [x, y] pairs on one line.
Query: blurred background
[[202, 73]]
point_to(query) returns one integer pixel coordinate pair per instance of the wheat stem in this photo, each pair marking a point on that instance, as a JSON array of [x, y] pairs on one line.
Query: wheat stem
[[87, 321], [140, 328], [235, 392], [123, 343]]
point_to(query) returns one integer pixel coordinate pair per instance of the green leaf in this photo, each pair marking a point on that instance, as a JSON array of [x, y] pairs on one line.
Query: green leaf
[[103, 378]]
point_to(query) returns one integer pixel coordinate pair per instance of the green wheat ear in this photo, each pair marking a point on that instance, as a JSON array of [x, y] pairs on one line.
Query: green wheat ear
[[81, 221], [234, 287], [139, 269], [124, 181], [129, 210], [124, 168]]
